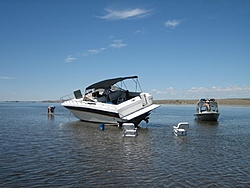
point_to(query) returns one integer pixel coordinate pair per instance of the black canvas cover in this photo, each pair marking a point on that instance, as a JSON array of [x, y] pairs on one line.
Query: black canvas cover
[[109, 82]]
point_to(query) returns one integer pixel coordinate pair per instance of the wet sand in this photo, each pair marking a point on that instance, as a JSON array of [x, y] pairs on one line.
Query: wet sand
[[243, 101]]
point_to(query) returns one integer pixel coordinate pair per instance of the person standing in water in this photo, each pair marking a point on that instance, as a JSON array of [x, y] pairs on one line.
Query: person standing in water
[[51, 109]]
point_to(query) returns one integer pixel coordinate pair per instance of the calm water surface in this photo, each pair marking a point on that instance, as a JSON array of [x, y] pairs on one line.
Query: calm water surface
[[37, 150]]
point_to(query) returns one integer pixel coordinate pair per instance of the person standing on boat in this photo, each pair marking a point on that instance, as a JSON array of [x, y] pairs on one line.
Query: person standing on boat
[[106, 93], [51, 109], [207, 105]]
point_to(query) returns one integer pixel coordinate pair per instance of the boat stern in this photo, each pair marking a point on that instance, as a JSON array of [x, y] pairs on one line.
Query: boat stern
[[137, 109]]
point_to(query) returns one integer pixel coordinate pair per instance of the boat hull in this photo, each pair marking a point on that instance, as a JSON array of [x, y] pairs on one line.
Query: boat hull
[[108, 117], [207, 116], [97, 116]]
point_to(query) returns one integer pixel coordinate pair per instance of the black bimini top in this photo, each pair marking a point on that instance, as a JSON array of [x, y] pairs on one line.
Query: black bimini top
[[109, 82]]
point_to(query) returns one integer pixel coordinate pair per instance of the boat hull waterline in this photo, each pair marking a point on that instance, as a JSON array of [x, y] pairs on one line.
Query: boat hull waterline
[[207, 116]]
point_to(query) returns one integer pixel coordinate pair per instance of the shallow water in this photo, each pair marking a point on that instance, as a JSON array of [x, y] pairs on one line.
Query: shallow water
[[37, 150]]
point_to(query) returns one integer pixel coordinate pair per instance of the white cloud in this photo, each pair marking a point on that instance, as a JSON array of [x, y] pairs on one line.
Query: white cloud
[[118, 44], [172, 23], [114, 44], [202, 92], [6, 78], [125, 14], [138, 31], [70, 59], [92, 52]]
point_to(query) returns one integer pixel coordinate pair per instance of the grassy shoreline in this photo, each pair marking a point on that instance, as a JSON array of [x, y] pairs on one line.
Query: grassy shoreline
[[242, 102]]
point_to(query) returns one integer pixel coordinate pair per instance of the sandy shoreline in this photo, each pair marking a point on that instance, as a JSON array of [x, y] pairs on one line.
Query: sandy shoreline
[[243, 102]]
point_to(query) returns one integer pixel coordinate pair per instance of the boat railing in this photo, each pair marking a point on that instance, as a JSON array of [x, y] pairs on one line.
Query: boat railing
[[67, 97]]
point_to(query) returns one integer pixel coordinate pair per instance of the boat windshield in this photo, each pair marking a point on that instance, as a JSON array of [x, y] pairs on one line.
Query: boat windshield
[[211, 106]]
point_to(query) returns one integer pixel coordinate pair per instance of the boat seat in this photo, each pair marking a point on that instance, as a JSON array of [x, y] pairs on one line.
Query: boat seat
[[122, 97], [115, 95], [181, 129], [111, 96], [101, 99]]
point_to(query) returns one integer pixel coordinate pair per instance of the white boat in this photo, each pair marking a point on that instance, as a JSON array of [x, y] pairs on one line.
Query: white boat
[[110, 102], [207, 110]]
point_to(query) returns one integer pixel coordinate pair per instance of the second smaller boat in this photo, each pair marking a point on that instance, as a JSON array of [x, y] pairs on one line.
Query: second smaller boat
[[207, 110]]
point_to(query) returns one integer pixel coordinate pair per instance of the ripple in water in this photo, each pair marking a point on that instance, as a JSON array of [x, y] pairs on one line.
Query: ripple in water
[[42, 151]]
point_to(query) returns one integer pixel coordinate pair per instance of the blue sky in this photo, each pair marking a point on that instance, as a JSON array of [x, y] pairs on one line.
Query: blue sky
[[179, 49]]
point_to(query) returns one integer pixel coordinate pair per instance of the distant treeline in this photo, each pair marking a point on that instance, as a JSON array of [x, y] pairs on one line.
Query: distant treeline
[[243, 101], [236, 101]]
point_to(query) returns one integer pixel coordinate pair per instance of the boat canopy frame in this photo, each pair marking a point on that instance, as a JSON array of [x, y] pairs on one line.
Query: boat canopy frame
[[105, 84]]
